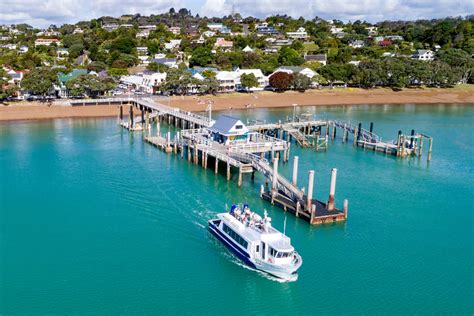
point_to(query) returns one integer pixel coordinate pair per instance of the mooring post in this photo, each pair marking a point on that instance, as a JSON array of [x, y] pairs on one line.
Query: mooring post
[[175, 145], [420, 147], [333, 131], [359, 131], [228, 171], [131, 117], [309, 201], [403, 145], [239, 182], [275, 174], [189, 152], [142, 115], [371, 127], [298, 207], [313, 213], [430, 147], [412, 138], [355, 136], [216, 166], [121, 114], [332, 190], [327, 142], [345, 208], [295, 170], [147, 119], [262, 190]]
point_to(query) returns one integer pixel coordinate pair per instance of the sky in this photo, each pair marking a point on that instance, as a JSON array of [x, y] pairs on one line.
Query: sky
[[42, 13]]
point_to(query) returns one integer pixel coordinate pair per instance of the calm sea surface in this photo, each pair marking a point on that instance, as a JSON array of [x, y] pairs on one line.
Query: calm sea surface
[[94, 221]]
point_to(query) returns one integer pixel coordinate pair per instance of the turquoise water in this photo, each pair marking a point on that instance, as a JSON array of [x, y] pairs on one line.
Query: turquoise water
[[94, 221]]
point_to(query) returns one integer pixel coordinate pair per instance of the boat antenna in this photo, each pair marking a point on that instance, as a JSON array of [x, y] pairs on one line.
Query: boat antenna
[[284, 226]]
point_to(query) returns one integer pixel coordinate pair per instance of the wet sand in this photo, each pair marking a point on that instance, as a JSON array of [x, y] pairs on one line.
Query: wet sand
[[349, 96]]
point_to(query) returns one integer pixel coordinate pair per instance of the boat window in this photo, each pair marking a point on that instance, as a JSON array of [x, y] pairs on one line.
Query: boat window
[[236, 237]]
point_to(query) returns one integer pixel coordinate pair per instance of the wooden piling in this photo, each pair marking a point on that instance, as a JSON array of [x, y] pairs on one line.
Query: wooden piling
[[295, 170], [345, 208], [239, 182], [228, 171], [430, 147], [216, 166], [309, 201], [275, 174], [332, 190], [420, 147]]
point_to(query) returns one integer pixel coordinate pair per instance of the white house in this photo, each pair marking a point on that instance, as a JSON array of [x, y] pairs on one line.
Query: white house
[[145, 82], [299, 34], [142, 50], [336, 30], [173, 44], [357, 44], [261, 78], [423, 54], [46, 41], [230, 80], [215, 26], [223, 43], [294, 69], [247, 49], [176, 30]]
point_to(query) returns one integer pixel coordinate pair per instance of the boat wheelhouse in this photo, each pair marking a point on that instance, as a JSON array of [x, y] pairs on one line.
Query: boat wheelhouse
[[256, 242]]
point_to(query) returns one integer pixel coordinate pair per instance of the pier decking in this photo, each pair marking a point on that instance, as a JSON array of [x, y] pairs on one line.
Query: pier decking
[[264, 146]]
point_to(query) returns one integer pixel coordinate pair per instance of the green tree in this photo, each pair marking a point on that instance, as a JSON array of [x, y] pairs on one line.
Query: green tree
[[301, 82], [40, 81], [248, 81], [85, 85], [117, 72], [289, 57], [6, 90], [97, 66], [209, 85], [460, 61], [202, 56], [281, 80], [75, 50], [154, 66]]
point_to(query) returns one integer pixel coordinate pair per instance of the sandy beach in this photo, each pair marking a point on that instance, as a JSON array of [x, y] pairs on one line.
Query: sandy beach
[[349, 96]]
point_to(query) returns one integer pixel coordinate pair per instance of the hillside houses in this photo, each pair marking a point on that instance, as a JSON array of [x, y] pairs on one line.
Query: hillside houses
[[46, 41], [423, 54]]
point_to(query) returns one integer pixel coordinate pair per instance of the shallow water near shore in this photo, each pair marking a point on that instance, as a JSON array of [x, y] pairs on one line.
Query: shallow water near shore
[[94, 221]]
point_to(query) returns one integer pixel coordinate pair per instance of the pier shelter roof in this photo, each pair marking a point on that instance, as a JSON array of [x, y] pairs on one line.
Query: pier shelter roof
[[229, 126]]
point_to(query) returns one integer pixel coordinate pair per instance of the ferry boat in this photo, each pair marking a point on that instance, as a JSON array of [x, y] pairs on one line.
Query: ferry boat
[[253, 240]]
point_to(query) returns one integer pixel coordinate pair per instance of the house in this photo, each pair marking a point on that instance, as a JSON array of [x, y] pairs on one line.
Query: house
[[226, 80], [372, 30], [335, 30], [223, 43], [46, 41], [200, 40], [110, 27], [15, 76], [172, 44], [395, 37], [354, 62], [9, 46], [357, 44], [142, 50], [385, 43], [264, 29], [388, 54], [215, 26], [82, 60], [299, 34], [261, 78], [151, 80], [247, 49], [63, 78], [423, 54], [321, 58], [78, 30], [294, 70], [62, 53], [170, 62], [209, 33], [228, 130], [48, 33], [176, 30], [23, 49]]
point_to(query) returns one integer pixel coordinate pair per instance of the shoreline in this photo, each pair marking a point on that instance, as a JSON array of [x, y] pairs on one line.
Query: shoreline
[[264, 99]]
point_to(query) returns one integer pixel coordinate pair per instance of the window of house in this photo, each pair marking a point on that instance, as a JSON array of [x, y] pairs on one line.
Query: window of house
[[239, 126]]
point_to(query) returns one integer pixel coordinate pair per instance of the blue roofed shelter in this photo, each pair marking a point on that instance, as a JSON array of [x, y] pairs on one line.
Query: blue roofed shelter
[[228, 130]]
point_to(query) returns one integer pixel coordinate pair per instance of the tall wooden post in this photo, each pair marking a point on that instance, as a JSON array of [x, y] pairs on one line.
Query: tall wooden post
[[309, 201], [216, 166], [430, 149], [295, 170], [275, 175], [332, 190], [121, 114], [131, 117], [228, 171], [239, 182], [420, 147], [345, 208]]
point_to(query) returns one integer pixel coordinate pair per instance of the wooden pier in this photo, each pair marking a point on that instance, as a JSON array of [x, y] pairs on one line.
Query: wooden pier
[[264, 146]]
